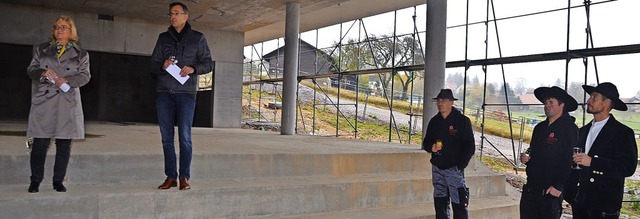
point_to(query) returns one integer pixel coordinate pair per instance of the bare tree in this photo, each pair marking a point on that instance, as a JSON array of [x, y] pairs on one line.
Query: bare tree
[[381, 52]]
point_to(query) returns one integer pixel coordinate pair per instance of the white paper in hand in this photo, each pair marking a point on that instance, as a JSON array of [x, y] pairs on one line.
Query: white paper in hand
[[174, 71]]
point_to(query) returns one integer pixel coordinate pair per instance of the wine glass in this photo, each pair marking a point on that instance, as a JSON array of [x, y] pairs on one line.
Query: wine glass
[[173, 59], [577, 150]]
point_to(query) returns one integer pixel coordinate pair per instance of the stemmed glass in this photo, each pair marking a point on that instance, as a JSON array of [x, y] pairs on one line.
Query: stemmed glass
[[577, 150]]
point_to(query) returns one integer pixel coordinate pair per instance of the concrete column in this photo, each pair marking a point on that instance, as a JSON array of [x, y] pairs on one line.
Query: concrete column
[[434, 65], [290, 77]]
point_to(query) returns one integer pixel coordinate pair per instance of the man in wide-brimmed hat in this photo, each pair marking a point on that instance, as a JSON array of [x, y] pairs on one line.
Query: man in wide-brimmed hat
[[549, 160], [610, 155], [449, 139]]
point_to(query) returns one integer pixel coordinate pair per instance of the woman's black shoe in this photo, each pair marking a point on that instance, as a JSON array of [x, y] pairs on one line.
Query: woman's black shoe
[[33, 187], [59, 187]]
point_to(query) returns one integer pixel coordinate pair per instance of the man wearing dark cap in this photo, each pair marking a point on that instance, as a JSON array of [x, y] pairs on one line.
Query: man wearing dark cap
[[549, 161], [610, 155], [449, 139]]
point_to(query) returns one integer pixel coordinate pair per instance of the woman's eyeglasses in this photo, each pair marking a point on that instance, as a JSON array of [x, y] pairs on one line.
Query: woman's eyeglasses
[[63, 28]]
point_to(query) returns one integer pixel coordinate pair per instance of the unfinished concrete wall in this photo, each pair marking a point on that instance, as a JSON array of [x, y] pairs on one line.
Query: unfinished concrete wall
[[121, 88]]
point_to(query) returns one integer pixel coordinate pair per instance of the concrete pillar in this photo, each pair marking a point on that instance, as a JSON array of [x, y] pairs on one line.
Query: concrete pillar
[[290, 77], [434, 66], [227, 94]]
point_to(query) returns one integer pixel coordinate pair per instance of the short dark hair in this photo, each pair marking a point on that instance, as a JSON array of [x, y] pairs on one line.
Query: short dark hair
[[557, 98], [184, 7]]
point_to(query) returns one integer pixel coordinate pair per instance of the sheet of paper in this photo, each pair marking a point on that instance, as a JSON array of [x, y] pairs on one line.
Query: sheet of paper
[[174, 71]]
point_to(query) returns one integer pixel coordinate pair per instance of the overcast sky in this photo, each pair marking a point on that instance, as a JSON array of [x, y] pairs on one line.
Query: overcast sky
[[612, 23]]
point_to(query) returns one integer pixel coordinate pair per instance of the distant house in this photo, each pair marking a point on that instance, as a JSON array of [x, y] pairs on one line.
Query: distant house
[[312, 61], [632, 107], [530, 98]]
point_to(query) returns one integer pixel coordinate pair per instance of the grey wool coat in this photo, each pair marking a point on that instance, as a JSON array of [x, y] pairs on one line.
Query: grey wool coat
[[54, 113]]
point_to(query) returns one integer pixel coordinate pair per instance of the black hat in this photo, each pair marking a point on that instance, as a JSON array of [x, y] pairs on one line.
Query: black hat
[[610, 91], [542, 93], [445, 94]]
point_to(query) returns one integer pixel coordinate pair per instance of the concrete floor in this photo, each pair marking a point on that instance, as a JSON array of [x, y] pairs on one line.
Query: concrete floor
[[114, 138]]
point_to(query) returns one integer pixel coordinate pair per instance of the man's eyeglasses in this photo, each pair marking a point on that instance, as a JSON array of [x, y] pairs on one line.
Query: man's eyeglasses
[[63, 28], [175, 14]]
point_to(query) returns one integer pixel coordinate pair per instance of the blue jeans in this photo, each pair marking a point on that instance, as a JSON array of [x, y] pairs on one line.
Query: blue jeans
[[176, 108]]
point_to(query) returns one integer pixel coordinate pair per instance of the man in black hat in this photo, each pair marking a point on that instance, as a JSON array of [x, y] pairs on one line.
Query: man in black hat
[[610, 155], [449, 139], [549, 161]]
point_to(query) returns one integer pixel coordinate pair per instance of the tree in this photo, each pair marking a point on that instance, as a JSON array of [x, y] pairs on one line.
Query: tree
[[474, 95], [454, 80], [520, 85], [410, 54], [352, 56], [491, 89], [380, 52], [559, 83], [510, 95], [475, 80], [576, 91]]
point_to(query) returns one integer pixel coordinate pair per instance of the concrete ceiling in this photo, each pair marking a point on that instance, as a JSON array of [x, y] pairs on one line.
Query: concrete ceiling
[[260, 20]]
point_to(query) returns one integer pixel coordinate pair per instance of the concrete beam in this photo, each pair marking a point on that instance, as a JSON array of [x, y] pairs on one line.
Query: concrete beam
[[334, 14], [27, 25]]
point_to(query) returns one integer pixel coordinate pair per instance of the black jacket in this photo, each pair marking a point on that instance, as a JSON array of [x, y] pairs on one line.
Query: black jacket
[[190, 49], [614, 156], [551, 153], [456, 134]]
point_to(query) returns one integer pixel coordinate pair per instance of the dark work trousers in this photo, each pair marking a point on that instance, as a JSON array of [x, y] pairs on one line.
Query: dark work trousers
[[39, 155], [449, 184], [583, 213], [535, 204]]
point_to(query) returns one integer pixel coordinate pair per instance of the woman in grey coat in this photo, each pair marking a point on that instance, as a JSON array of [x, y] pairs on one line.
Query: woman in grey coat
[[57, 71]]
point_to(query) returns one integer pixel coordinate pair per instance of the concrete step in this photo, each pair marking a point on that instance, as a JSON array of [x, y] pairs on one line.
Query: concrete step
[[495, 207], [116, 168], [235, 174], [269, 197]]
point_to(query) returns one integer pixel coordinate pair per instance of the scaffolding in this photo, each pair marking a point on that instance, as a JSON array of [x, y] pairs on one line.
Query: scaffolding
[[414, 69]]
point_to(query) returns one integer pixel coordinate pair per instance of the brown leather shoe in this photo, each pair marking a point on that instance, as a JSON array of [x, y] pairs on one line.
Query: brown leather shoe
[[184, 184], [168, 183]]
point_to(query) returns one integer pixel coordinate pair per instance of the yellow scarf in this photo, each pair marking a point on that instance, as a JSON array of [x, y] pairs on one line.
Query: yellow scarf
[[61, 51]]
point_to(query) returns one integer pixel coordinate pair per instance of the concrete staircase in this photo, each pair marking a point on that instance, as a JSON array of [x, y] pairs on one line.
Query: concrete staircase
[[239, 174]]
